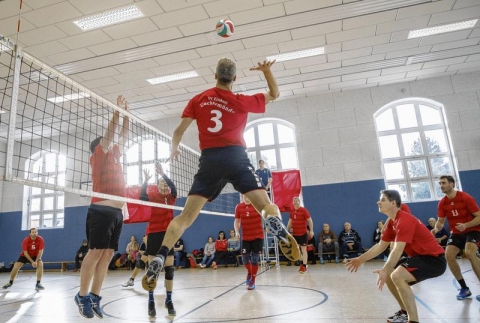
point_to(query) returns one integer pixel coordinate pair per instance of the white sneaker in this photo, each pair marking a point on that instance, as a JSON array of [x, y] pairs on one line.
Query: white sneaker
[[398, 318], [345, 260], [129, 282]]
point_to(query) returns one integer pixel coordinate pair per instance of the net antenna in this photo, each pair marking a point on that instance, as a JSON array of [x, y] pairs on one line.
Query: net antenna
[[45, 113]]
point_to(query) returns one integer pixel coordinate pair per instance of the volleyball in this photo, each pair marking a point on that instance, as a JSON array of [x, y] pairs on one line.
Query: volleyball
[[225, 28]]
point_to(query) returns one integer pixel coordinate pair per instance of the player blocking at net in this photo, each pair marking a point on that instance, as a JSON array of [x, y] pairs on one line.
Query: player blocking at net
[[221, 118]]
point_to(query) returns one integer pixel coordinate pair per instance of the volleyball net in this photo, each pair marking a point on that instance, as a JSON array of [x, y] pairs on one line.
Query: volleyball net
[[47, 122]]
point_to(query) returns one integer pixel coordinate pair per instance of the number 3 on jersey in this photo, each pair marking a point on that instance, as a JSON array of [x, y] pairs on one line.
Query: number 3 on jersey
[[216, 119]]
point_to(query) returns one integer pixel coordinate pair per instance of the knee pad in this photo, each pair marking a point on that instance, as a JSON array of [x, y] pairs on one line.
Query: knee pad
[[246, 259], [169, 270], [255, 258], [140, 264]]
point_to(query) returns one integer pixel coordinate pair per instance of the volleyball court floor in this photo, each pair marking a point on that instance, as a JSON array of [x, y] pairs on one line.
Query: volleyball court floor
[[327, 293]]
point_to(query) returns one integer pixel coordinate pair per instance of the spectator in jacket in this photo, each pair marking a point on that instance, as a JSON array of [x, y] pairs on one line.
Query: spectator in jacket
[[349, 241], [441, 236], [233, 246], [81, 252], [328, 242]]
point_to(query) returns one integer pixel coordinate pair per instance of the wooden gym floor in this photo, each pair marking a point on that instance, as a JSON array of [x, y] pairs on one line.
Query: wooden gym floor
[[327, 293]]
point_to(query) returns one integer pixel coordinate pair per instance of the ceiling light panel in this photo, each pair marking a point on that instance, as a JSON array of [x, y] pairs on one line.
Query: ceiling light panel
[[69, 97], [298, 54], [109, 18], [442, 29], [172, 77]]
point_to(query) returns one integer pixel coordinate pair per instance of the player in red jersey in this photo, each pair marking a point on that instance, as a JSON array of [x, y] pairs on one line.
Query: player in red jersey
[[252, 238], [425, 257], [299, 218], [32, 251], [104, 217], [165, 193], [221, 117], [463, 215]]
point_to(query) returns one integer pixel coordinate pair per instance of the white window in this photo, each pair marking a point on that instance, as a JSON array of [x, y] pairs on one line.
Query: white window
[[415, 148], [274, 141], [142, 154], [43, 207]]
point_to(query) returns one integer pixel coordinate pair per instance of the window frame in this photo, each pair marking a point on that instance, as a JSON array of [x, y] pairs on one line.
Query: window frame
[[426, 156], [29, 195]]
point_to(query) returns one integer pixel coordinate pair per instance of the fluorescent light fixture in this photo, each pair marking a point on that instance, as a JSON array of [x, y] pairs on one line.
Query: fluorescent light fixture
[[442, 29], [69, 97], [109, 18], [296, 55], [172, 77], [3, 111]]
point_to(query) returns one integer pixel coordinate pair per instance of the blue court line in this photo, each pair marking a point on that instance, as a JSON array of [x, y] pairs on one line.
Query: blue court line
[[455, 284]]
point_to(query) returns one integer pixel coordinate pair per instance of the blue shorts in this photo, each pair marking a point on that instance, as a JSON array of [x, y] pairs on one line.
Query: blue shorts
[[219, 166]]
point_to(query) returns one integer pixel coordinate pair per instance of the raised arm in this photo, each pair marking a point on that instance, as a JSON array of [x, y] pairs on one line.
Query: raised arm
[[173, 188], [273, 92], [177, 137]]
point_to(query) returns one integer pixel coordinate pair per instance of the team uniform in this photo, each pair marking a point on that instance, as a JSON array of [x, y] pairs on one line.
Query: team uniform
[[264, 175], [160, 218], [104, 223], [459, 210], [32, 247], [223, 159], [425, 257], [252, 239], [299, 224]]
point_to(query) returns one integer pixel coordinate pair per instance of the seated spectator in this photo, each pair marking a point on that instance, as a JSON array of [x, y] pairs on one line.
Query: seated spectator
[[233, 247], [81, 252], [377, 235], [142, 249], [179, 253], [208, 253], [311, 247], [441, 236], [327, 242], [350, 241], [221, 252], [132, 249]]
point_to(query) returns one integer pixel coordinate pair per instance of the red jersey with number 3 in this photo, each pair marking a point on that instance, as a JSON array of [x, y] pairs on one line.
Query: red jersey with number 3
[[419, 240], [250, 220], [299, 220], [32, 246], [221, 116], [458, 210]]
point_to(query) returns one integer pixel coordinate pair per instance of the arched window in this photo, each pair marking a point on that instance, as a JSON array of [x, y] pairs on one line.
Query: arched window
[[142, 154], [44, 208], [415, 148], [272, 140]]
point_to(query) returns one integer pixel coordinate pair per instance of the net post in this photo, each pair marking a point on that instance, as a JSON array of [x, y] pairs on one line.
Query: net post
[[13, 114]]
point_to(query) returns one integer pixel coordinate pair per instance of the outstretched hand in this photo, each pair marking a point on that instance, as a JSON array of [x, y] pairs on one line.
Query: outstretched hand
[[121, 101], [265, 66], [353, 264], [146, 175], [159, 168], [174, 154], [382, 278]]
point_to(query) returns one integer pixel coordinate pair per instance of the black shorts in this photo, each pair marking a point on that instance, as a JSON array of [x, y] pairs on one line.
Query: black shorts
[[459, 240], [301, 240], [154, 242], [424, 267], [255, 246], [24, 259], [219, 166], [104, 225]]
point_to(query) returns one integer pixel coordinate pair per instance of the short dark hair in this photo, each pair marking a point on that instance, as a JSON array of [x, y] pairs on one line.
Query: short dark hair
[[392, 195], [449, 178], [261, 161], [32, 229], [95, 143]]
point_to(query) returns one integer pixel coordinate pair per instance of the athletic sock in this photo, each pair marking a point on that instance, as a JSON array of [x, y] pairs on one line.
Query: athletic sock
[[95, 295], [11, 282], [163, 251], [150, 296], [462, 283], [169, 297], [38, 282], [254, 272], [249, 268]]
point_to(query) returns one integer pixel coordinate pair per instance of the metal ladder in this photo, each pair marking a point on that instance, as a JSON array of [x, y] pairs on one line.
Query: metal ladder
[[270, 242]]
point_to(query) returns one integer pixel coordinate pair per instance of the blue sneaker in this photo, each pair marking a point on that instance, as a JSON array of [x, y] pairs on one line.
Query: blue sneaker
[[478, 297], [337, 260], [464, 293], [251, 285], [84, 305], [97, 310], [249, 279], [322, 261]]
